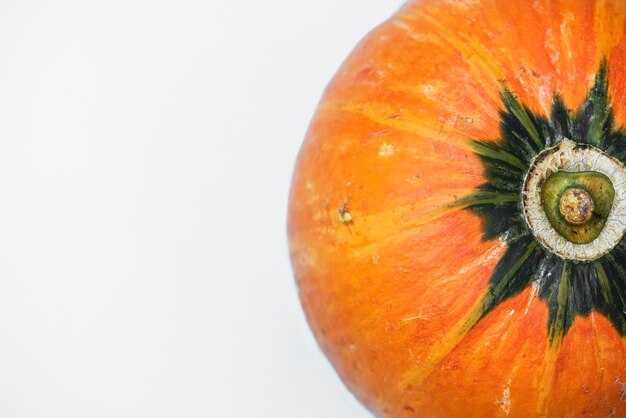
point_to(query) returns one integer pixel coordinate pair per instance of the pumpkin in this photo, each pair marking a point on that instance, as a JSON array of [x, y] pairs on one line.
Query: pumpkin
[[457, 212]]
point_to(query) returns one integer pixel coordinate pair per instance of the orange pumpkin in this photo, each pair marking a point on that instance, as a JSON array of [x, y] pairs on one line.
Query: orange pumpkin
[[414, 243]]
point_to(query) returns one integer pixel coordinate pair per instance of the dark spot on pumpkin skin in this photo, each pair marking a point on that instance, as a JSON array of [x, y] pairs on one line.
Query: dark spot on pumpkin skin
[[343, 214], [409, 408]]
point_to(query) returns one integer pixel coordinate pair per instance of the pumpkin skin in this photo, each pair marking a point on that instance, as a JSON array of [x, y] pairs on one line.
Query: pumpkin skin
[[391, 270]]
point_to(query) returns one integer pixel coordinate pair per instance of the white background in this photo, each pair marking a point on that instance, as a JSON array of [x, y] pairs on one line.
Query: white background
[[146, 149]]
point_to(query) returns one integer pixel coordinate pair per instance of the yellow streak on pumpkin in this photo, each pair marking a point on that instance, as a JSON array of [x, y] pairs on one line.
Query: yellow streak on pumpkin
[[368, 232], [545, 386], [549, 362], [481, 62], [452, 338], [373, 231], [430, 40], [610, 18], [384, 114]]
